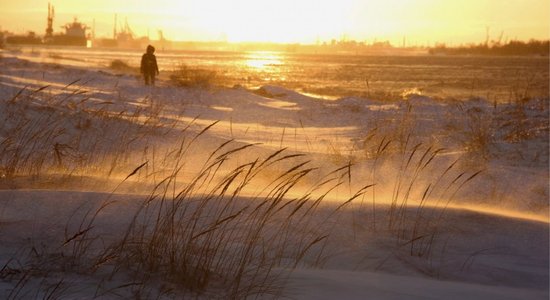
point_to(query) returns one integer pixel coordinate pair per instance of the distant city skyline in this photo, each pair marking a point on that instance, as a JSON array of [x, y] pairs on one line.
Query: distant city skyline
[[415, 22]]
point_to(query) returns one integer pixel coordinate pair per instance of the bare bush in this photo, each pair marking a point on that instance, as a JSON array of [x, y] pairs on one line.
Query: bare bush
[[122, 66], [185, 76]]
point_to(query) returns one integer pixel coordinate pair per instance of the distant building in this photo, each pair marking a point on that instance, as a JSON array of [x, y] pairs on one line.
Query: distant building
[[75, 35], [124, 38]]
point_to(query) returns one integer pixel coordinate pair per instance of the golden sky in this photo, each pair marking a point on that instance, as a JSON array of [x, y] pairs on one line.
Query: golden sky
[[302, 21]]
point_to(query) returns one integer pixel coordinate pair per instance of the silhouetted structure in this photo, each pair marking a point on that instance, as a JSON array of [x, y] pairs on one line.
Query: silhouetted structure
[[149, 67], [30, 39], [75, 32], [123, 37], [74, 35], [49, 27], [533, 47]]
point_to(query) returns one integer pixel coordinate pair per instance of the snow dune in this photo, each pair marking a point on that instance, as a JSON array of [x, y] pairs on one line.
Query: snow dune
[[458, 210]]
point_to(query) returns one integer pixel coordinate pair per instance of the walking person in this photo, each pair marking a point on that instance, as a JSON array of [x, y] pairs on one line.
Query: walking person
[[149, 67]]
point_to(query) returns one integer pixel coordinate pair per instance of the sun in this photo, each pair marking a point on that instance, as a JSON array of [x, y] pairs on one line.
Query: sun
[[285, 21]]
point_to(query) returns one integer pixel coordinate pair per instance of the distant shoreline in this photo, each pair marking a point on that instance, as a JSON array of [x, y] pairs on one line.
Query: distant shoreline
[[493, 48]]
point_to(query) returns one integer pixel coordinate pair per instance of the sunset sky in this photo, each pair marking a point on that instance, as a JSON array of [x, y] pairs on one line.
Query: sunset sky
[[301, 21]]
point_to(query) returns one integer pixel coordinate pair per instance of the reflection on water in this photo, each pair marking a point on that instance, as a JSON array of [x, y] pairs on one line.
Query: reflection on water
[[263, 59], [500, 79]]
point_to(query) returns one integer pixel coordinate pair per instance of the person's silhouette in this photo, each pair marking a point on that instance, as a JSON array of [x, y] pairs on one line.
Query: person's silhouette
[[149, 67]]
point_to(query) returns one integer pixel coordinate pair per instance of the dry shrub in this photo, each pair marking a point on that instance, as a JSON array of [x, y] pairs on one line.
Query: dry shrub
[[120, 65], [479, 132], [185, 76]]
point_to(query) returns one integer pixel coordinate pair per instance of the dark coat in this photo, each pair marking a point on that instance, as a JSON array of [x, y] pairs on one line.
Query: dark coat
[[149, 64]]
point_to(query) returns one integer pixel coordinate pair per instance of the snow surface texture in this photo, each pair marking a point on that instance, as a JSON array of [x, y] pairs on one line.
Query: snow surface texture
[[459, 209]]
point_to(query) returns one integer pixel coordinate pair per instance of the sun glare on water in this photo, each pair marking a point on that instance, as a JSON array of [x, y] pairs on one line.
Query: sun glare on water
[[263, 59]]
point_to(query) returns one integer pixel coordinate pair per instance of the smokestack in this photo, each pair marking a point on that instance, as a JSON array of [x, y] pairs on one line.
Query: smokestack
[[114, 29], [49, 27]]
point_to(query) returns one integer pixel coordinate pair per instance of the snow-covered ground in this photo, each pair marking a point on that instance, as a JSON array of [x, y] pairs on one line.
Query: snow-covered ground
[[418, 198]]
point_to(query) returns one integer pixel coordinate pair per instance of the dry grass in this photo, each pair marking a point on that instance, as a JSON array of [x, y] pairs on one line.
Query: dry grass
[[203, 235], [417, 181], [201, 229], [217, 239], [120, 65], [185, 76], [62, 134], [478, 134]]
